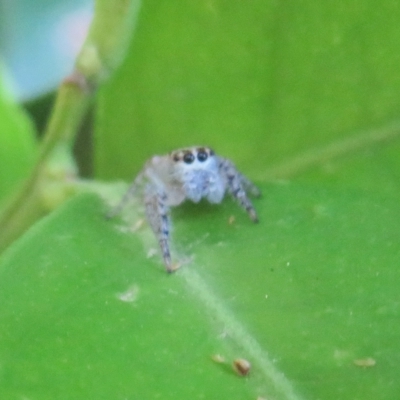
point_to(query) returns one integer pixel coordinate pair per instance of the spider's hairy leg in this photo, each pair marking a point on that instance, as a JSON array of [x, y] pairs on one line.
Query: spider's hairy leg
[[127, 196], [237, 185], [249, 186], [157, 215]]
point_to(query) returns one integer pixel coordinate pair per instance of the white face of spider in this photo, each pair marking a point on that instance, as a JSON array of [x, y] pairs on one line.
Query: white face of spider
[[191, 173], [197, 169]]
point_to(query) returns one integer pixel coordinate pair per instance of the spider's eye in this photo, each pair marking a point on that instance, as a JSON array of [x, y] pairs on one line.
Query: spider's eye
[[175, 157], [188, 158], [202, 155]]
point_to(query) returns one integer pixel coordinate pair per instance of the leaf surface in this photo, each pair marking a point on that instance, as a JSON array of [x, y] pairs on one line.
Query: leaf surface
[[302, 295]]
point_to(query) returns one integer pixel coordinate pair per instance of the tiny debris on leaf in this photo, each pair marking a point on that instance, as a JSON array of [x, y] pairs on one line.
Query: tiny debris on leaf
[[231, 220], [241, 366], [151, 252], [175, 266], [130, 295], [138, 224], [218, 358], [365, 362]]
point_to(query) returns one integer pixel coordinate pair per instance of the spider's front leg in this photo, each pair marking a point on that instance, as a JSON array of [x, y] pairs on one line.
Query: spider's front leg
[[237, 185], [249, 186], [157, 215], [129, 194]]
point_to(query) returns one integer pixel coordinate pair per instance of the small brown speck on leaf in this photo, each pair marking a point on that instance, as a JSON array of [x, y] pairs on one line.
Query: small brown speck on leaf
[[241, 366]]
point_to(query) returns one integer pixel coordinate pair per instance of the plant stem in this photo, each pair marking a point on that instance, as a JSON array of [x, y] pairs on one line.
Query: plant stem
[[51, 179]]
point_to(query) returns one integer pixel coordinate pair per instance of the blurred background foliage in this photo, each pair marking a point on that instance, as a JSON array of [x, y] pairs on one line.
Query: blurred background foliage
[[264, 84]]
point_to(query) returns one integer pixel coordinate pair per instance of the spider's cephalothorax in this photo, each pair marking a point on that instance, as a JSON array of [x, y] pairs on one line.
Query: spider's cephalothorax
[[192, 173]]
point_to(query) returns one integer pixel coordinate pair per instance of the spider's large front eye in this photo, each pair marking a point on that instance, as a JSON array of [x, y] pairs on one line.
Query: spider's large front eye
[[188, 158], [202, 155]]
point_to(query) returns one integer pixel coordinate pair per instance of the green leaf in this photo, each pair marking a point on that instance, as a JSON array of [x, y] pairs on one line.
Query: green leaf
[[85, 312], [308, 88], [17, 143]]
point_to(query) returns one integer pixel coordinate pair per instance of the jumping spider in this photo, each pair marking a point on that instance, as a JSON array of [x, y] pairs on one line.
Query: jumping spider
[[191, 173]]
